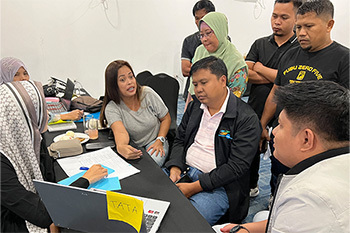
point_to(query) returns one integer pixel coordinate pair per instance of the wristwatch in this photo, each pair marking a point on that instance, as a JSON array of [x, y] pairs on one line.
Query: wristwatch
[[161, 138], [237, 228]]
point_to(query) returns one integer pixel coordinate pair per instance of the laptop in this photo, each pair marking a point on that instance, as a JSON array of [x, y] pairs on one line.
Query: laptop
[[65, 101], [86, 210]]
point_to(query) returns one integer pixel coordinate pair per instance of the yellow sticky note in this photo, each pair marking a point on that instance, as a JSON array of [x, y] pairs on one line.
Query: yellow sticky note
[[59, 122], [125, 208]]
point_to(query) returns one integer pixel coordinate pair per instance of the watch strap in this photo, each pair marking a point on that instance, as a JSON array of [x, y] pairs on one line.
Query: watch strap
[[237, 228], [162, 139]]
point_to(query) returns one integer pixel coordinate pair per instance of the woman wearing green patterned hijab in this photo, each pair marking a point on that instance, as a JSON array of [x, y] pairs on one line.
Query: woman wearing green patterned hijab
[[214, 36]]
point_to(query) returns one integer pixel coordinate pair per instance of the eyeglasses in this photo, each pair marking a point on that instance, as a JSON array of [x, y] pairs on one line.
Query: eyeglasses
[[206, 34]]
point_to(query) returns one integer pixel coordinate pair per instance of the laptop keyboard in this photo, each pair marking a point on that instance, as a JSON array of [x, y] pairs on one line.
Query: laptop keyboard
[[150, 218], [56, 107]]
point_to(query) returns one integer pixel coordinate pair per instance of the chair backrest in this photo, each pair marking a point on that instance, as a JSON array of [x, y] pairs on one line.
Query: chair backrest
[[143, 76], [168, 89]]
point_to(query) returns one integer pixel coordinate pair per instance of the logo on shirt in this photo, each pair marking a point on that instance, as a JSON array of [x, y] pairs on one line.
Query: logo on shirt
[[301, 75], [225, 134], [303, 70]]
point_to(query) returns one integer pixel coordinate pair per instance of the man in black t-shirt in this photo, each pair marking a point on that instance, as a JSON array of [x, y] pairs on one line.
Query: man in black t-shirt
[[317, 58], [191, 42], [263, 59]]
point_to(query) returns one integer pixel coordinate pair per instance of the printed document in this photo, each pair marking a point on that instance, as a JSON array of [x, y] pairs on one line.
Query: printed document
[[105, 156]]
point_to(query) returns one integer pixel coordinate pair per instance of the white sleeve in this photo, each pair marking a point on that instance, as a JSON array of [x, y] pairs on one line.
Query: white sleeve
[[303, 211]]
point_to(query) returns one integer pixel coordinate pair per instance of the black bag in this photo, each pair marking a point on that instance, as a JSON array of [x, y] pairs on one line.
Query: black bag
[[49, 90], [54, 87], [86, 103]]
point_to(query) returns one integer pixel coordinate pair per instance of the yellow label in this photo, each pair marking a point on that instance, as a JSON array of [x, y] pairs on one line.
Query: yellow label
[[125, 208], [301, 75], [59, 122]]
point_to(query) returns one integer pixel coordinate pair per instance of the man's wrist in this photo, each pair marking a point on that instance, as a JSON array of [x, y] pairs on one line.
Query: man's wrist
[[237, 228], [197, 186], [263, 124], [175, 169]]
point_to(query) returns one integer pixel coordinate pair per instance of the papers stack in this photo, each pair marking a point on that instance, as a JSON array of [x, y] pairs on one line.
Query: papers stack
[[61, 125]]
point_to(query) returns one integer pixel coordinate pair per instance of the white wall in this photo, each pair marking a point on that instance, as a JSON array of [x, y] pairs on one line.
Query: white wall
[[79, 38]]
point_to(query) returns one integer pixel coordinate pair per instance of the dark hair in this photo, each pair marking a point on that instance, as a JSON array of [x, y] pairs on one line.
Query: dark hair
[[320, 7], [214, 64], [321, 105], [203, 4], [111, 86], [296, 3]]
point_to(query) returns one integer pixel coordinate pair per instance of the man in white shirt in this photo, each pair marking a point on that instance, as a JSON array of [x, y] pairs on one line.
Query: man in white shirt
[[312, 138], [215, 146]]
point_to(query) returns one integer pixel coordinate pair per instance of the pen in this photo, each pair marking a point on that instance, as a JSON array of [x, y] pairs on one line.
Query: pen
[[83, 168]]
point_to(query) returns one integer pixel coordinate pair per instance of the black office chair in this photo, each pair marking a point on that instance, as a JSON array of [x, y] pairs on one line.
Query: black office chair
[[168, 89], [143, 76]]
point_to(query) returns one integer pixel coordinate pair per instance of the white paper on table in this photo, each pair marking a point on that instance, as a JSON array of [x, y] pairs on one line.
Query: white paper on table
[[105, 156]]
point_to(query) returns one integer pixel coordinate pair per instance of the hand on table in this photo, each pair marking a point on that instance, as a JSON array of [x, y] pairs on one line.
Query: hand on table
[[157, 147], [73, 115], [95, 173], [129, 152]]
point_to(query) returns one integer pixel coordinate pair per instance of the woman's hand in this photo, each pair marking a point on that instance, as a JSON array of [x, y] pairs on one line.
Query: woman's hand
[[129, 152], [73, 115], [54, 229], [95, 173], [157, 147], [122, 138]]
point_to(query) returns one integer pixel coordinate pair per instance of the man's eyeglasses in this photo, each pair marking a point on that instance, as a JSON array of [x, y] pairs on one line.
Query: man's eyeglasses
[[206, 34]]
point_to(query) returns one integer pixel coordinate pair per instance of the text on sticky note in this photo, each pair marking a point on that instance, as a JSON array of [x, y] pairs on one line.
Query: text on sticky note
[[125, 208]]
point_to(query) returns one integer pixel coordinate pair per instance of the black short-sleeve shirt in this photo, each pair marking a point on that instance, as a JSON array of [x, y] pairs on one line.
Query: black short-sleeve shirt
[[189, 46], [266, 51], [330, 63]]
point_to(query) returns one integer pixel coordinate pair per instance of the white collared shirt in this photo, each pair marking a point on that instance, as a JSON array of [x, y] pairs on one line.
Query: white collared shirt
[[201, 154]]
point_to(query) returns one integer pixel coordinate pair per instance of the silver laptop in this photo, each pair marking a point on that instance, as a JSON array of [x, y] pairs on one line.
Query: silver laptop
[[86, 210]]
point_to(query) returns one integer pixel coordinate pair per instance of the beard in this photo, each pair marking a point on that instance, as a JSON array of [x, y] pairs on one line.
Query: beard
[[307, 48], [278, 34]]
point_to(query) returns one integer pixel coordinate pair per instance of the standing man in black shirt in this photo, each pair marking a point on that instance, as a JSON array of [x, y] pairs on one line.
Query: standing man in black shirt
[[191, 42], [317, 58], [263, 59]]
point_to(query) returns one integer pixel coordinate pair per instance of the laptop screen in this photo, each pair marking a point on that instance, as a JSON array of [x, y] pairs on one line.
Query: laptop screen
[[68, 93], [86, 210]]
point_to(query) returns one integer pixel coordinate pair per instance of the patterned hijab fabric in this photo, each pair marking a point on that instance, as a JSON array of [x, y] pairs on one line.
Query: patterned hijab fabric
[[9, 67], [23, 117]]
